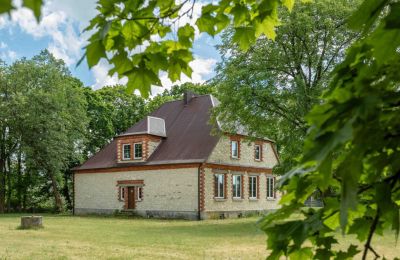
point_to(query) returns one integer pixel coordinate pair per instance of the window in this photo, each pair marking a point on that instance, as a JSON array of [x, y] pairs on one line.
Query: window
[[270, 187], [121, 193], [257, 152], [219, 182], [138, 151], [253, 187], [237, 186], [126, 150], [139, 193], [234, 149]]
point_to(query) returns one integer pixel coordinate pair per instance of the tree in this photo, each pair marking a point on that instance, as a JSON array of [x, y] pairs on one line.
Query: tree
[[353, 145], [271, 87], [111, 112], [43, 121], [177, 92]]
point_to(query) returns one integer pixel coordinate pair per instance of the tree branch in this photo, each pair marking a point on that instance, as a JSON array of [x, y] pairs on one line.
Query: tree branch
[[370, 234]]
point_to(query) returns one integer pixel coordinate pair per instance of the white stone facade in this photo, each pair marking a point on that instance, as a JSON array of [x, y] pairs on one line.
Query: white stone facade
[[214, 206], [172, 190], [222, 154]]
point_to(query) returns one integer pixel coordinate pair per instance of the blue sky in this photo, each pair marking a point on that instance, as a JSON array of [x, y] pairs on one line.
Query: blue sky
[[60, 32]]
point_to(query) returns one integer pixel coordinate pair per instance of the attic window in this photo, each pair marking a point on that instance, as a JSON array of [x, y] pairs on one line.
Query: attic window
[[234, 149], [138, 151], [257, 152], [126, 150]]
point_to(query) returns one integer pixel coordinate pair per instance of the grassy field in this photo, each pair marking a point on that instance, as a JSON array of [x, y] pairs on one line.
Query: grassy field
[[66, 237]]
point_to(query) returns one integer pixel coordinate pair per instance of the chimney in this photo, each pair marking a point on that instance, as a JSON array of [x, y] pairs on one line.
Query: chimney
[[187, 96]]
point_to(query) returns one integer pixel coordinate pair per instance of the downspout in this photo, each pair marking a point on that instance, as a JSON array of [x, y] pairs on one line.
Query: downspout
[[73, 193], [198, 193]]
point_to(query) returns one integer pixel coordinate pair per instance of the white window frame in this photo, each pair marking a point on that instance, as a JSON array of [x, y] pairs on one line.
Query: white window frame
[[259, 152], [134, 150], [237, 188], [270, 187], [251, 187], [220, 177], [122, 193], [137, 193], [237, 149], [123, 152]]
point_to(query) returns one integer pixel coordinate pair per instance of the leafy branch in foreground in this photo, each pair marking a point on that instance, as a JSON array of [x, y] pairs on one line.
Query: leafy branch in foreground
[[142, 39], [352, 150]]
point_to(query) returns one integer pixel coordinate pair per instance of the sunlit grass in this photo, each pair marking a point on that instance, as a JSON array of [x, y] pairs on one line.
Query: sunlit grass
[[66, 237]]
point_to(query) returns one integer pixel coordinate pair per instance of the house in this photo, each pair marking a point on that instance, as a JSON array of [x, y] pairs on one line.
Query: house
[[170, 165]]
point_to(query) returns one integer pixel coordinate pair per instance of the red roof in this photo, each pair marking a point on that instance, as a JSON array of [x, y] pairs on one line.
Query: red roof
[[188, 140]]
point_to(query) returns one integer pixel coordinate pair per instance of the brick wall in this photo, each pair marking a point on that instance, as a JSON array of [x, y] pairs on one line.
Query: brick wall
[[149, 144]]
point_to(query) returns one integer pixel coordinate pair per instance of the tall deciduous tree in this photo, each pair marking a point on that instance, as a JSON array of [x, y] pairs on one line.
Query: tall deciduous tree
[[272, 86], [44, 118]]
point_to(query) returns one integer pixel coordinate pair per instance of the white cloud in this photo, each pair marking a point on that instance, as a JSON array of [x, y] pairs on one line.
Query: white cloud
[[3, 45], [100, 74], [8, 55], [202, 70], [65, 42]]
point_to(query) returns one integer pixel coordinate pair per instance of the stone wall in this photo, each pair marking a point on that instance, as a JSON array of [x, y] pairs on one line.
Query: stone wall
[[215, 206], [169, 190], [222, 153]]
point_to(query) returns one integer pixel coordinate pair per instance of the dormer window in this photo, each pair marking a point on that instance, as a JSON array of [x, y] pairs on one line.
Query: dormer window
[[126, 150], [235, 149], [138, 151]]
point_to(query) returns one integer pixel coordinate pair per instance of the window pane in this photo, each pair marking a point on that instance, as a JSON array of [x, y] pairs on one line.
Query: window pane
[[237, 186], [234, 151], [257, 152], [138, 150], [127, 151], [221, 185], [270, 187]]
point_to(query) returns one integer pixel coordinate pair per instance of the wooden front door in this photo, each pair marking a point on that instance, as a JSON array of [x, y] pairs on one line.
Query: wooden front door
[[131, 197]]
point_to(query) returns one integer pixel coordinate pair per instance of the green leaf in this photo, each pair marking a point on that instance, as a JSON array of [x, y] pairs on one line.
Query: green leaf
[[186, 35], [142, 79], [244, 36], [289, 4], [35, 6], [94, 52], [240, 14], [301, 254], [5, 6], [349, 254], [366, 14]]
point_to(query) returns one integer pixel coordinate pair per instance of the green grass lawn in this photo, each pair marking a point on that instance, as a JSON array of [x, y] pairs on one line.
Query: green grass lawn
[[66, 237]]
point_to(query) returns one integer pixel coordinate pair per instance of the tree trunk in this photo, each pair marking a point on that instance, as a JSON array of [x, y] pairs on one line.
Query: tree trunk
[[65, 190], [9, 186], [19, 181], [56, 193], [2, 183], [2, 173]]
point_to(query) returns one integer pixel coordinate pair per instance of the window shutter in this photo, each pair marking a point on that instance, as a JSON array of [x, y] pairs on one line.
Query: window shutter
[[274, 188], [119, 193], [141, 193], [215, 186]]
